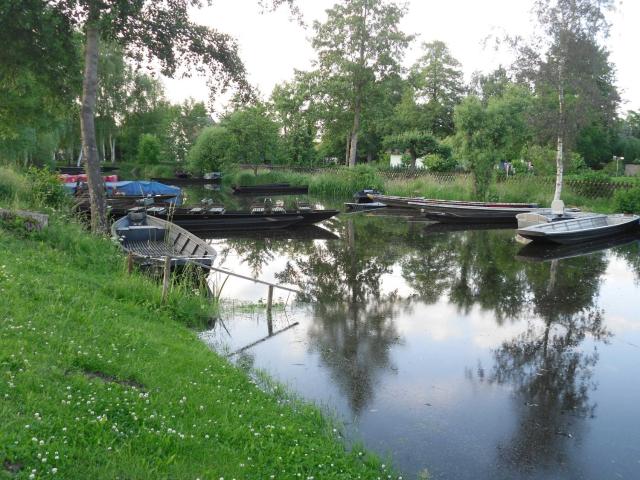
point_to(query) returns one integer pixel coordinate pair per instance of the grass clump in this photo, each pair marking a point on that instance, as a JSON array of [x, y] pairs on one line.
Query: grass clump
[[100, 380], [13, 186]]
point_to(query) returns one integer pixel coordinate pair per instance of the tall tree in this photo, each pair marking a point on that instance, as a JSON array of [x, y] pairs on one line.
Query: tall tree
[[439, 86], [293, 106], [39, 79], [144, 29], [359, 44], [115, 78], [566, 59]]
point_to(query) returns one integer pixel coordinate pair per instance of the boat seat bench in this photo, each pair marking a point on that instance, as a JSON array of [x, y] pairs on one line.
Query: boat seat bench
[[142, 233]]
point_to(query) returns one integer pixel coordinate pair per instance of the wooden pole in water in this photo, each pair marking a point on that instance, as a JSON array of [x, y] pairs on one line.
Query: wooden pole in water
[[269, 299], [165, 278]]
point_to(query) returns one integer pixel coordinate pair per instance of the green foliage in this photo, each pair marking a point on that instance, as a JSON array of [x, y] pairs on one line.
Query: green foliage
[[45, 189], [627, 200], [416, 144], [492, 132], [255, 135], [295, 110], [439, 163], [594, 145], [148, 149], [439, 85], [212, 150]]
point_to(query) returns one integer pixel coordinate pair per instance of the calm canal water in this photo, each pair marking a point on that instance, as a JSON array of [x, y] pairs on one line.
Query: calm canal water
[[457, 353]]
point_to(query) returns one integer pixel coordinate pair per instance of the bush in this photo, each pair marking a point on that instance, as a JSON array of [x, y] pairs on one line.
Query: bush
[[438, 163], [627, 200], [149, 149], [212, 150], [45, 189]]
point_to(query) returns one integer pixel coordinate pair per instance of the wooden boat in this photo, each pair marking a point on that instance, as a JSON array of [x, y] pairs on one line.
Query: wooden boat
[[180, 181], [216, 218], [580, 229], [416, 202], [270, 189], [362, 201], [470, 213], [304, 232], [544, 252], [151, 239]]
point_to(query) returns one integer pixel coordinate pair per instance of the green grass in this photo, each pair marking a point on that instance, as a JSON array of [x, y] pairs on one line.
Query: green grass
[[99, 379]]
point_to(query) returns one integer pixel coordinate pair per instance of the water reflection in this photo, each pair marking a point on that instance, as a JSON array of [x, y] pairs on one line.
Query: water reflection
[[353, 342], [517, 403], [549, 367]]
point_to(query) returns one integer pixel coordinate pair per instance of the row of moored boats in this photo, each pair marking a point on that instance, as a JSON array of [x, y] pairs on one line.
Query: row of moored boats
[[556, 225]]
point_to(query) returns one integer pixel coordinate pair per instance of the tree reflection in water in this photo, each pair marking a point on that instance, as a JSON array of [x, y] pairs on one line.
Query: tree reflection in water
[[549, 366], [353, 328]]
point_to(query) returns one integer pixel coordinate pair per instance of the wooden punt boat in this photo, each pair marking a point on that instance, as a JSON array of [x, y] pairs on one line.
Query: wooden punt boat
[[181, 181], [151, 239], [578, 230], [305, 232], [416, 202], [270, 189], [362, 201], [216, 218], [469, 213]]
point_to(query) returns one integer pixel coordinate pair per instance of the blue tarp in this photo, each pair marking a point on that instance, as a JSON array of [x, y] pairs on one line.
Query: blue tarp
[[140, 187], [137, 187]]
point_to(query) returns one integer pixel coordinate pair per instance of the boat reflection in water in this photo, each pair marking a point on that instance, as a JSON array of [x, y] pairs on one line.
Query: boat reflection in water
[[544, 252], [448, 352]]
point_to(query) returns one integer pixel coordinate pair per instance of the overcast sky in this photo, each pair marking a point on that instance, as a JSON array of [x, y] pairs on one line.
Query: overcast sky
[[272, 46]]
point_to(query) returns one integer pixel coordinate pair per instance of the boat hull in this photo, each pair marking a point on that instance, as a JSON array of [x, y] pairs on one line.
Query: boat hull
[[578, 235], [270, 190], [447, 213], [187, 181], [151, 240]]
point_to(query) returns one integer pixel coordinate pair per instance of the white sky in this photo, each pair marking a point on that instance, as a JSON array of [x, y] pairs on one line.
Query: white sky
[[272, 46]]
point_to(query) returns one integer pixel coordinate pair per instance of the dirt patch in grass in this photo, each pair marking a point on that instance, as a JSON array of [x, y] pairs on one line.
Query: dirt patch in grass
[[105, 377], [12, 467]]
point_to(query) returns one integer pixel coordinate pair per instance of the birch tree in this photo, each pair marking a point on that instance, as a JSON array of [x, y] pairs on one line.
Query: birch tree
[[566, 59]]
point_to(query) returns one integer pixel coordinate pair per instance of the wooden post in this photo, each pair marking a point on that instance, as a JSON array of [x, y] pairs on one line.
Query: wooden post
[[165, 279], [269, 299], [130, 263], [269, 323]]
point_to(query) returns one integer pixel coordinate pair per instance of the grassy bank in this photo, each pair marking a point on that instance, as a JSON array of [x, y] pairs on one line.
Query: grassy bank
[[99, 379]]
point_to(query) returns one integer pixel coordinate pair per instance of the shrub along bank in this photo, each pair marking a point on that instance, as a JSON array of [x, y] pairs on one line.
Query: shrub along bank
[[100, 379]]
